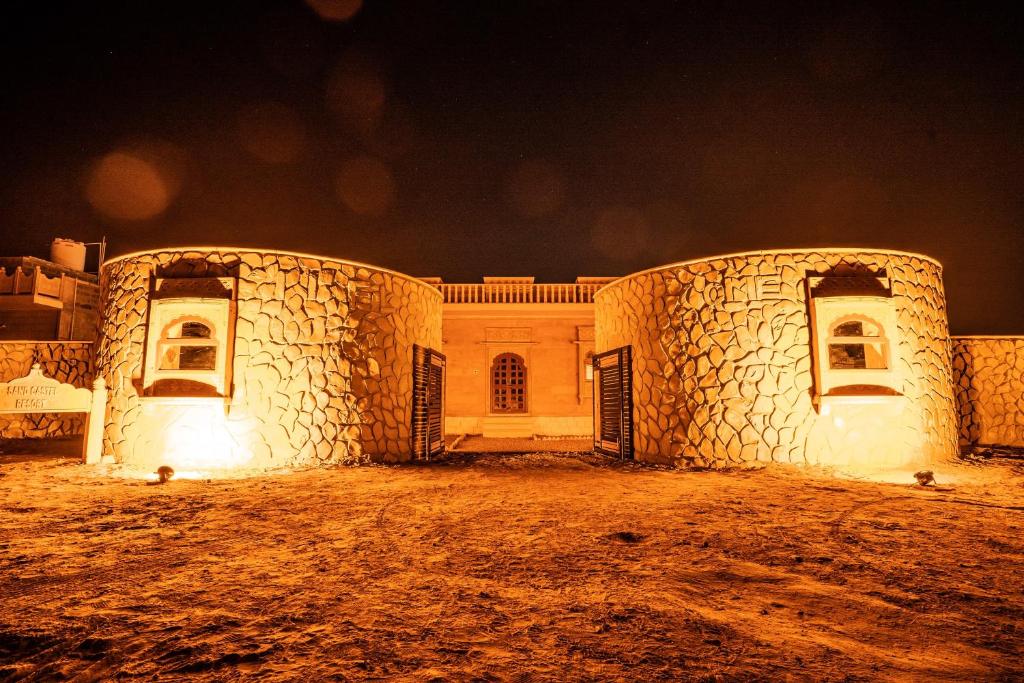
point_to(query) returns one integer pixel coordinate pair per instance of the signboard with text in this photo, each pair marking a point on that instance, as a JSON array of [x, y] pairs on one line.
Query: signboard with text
[[37, 393]]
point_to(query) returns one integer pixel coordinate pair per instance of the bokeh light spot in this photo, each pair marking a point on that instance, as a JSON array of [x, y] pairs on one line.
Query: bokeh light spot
[[535, 188], [366, 186], [135, 183], [356, 91], [620, 233], [271, 132], [335, 10]]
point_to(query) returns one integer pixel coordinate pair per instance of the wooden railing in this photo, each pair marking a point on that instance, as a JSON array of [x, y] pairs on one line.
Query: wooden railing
[[517, 293], [74, 297], [47, 290]]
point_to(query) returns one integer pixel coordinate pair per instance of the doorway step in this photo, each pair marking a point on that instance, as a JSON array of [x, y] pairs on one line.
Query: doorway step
[[508, 426]]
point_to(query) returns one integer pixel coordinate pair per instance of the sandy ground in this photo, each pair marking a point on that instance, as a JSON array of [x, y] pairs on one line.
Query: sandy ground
[[535, 567]]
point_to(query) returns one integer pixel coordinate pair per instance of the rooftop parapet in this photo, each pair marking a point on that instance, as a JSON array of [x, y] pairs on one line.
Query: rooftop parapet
[[29, 263], [519, 292]]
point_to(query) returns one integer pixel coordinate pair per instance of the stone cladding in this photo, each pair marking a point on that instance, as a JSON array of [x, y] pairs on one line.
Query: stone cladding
[[722, 362], [322, 363], [988, 373]]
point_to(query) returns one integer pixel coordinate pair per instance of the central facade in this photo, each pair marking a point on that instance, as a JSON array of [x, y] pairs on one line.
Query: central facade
[[519, 356]]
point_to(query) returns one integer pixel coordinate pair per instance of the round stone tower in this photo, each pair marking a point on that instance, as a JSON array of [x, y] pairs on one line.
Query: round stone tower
[[241, 358], [819, 356]]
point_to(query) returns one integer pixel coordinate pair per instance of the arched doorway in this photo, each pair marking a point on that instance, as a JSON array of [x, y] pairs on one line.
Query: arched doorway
[[508, 384]]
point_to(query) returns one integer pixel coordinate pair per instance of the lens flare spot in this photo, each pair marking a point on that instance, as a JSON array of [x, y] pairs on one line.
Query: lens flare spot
[[366, 186], [271, 132], [535, 188], [125, 187], [357, 92], [137, 182], [335, 10]]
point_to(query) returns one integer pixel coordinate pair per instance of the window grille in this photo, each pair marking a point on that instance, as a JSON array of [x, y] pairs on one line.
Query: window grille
[[508, 384]]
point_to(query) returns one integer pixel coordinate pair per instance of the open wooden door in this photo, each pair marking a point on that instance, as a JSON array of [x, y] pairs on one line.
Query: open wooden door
[[613, 403], [428, 367]]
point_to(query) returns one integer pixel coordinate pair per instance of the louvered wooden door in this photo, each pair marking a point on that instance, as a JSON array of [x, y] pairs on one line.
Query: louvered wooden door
[[613, 403], [427, 402]]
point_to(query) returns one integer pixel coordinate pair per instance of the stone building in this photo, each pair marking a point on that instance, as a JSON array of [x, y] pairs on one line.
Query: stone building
[[988, 375], [48, 315], [807, 356], [222, 357], [219, 357]]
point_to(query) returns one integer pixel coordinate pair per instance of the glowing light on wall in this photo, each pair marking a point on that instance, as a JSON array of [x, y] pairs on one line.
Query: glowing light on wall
[[194, 437], [200, 439]]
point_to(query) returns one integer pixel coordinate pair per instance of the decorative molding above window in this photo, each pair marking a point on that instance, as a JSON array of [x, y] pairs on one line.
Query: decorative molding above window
[[194, 287], [507, 334], [839, 286]]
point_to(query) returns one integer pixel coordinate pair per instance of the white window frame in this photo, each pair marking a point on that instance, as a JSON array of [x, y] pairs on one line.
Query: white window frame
[[827, 313], [880, 340], [164, 313], [165, 342], [584, 355]]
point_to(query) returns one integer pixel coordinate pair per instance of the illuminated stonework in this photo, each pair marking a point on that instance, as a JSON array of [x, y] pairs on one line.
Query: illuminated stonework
[[988, 373], [69, 362], [320, 359], [220, 358], [723, 367]]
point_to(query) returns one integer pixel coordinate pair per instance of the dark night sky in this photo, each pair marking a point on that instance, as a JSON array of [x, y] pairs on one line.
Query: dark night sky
[[524, 137]]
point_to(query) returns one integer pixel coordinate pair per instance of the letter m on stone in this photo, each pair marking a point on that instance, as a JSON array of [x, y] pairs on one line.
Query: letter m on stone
[[740, 288]]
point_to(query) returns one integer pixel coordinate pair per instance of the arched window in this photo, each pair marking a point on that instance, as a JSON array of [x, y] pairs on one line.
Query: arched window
[[857, 343], [187, 344], [189, 337], [508, 384]]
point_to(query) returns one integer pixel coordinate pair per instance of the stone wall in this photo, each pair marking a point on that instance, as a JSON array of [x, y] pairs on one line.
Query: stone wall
[[322, 367], [988, 374], [722, 362], [69, 362]]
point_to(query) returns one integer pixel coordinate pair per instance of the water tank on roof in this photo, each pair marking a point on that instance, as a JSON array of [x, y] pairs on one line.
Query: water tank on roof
[[68, 253]]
